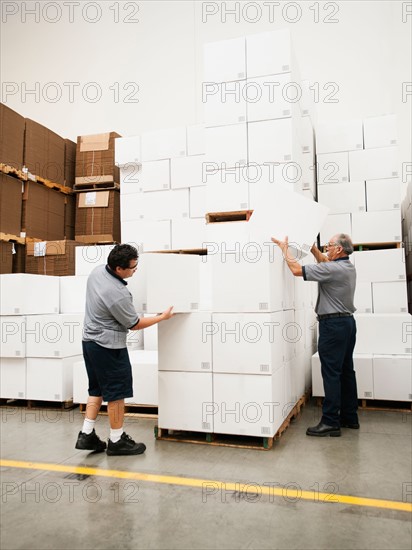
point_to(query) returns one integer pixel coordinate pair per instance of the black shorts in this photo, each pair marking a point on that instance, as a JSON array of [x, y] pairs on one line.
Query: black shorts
[[109, 371]]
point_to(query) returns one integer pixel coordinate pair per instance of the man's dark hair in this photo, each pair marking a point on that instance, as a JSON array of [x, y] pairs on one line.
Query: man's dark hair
[[121, 255]]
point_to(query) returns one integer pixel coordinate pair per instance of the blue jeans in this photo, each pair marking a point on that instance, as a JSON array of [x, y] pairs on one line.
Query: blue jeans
[[337, 338]]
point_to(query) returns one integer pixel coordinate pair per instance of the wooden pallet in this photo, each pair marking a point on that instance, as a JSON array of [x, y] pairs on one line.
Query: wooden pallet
[[103, 186], [140, 411], [36, 404], [236, 216], [376, 246], [379, 405], [214, 439], [11, 171], [226, 440], [51, 184], [7, 237]]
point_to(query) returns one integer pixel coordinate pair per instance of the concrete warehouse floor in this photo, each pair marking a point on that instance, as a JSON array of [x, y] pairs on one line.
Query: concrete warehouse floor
[[50, 506]]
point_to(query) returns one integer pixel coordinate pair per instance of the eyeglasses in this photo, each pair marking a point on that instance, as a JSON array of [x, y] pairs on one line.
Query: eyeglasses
[[133, 267], [329, 245]]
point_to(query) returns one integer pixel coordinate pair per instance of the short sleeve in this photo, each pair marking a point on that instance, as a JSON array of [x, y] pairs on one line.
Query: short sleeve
[[124, 312], [319, 273]]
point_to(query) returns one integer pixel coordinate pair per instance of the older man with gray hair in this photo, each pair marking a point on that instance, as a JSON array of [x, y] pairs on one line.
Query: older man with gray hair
[[336, 276]]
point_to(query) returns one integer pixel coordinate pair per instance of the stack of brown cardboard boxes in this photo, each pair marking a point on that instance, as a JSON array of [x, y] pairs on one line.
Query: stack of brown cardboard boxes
[[51, 257], [98, 208]]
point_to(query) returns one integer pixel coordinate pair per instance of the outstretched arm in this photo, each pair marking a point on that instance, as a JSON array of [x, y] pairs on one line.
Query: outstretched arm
[[146, 322], [293, 264], [319, 256]]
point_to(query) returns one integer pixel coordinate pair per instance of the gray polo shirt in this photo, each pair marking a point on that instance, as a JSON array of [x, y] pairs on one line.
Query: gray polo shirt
[[109, 309], [337, 281]]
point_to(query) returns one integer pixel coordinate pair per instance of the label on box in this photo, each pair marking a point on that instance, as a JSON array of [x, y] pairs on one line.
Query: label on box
[[90, 199], [40, 248]]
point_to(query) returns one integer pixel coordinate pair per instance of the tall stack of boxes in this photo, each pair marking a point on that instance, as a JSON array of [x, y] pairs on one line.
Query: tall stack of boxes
[[359, 180], [97, 182], [39, 344]]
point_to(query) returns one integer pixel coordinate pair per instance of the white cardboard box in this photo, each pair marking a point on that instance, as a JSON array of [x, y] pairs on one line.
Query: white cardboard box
[[231, 275], [196, 139], [294, 382], [380, 131], [130, 176], [392, 377], [390, 297], [164, 144], [90, 256], [80, 382], [226, 147], [127, 150], [155, 175], [12, 336], [151, 336], [188, 234], [333, 137], [197, 201], [383, 194], [50, 379], [333, 168], [185, 343], [73, 293], [165, 280], [227, 191], [224, 103], [252, 343], [145, 378], [224, 61], [269, 53], [247, 404], [187, 172], [384, 333], [279, 212], [272, 97], [22, 293], [147, 235], [184, 399], [335, 223], [273, 141], [374, 164], [363, 297], [343, 198], [54, 335], [376, 227], [363, 365], [380, 265], [12, 378], [160, 205]]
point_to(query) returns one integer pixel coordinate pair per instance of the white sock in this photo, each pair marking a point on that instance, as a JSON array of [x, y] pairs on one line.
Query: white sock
[[115, 435], [88, 426]]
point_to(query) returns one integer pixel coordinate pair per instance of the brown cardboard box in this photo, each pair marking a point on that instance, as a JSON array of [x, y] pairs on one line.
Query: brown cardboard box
[[43, 212], [51, 257], [6, 257], [98, 216], [95, 159], [44, 152], [69, 163], [69, 217], [19, 258], [11, 137], [10, 204]]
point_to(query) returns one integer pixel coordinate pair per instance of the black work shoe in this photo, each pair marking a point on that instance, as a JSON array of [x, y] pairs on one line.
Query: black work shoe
[[90, 442], [322, 430], [125, 446], [354, 426]]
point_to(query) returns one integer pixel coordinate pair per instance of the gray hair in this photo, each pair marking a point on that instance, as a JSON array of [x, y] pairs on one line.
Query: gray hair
[[345, 242]]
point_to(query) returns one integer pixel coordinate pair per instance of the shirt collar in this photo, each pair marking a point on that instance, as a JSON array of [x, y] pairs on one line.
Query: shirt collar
[[343, 258], [115, 275]]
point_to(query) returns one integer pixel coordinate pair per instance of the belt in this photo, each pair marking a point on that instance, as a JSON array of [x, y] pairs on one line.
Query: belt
[[331, 315]]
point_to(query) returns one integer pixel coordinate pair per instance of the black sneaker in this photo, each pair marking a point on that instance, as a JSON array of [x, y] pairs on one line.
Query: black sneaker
[[90, 442], [125, 446]]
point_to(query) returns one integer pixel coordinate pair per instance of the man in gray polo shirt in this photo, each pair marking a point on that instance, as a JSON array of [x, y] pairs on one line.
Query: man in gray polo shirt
[[336, 276], [109, 316]]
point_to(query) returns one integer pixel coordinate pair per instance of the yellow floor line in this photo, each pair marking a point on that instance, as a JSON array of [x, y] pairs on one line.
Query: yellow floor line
[[211, 487]]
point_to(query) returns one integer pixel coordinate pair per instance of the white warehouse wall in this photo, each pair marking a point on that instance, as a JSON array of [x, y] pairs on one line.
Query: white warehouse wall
[[366, 53]]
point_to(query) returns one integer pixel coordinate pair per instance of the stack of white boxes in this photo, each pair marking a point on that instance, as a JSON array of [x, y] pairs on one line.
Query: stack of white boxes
[[39, 345], [359, 180], [162, 189]]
